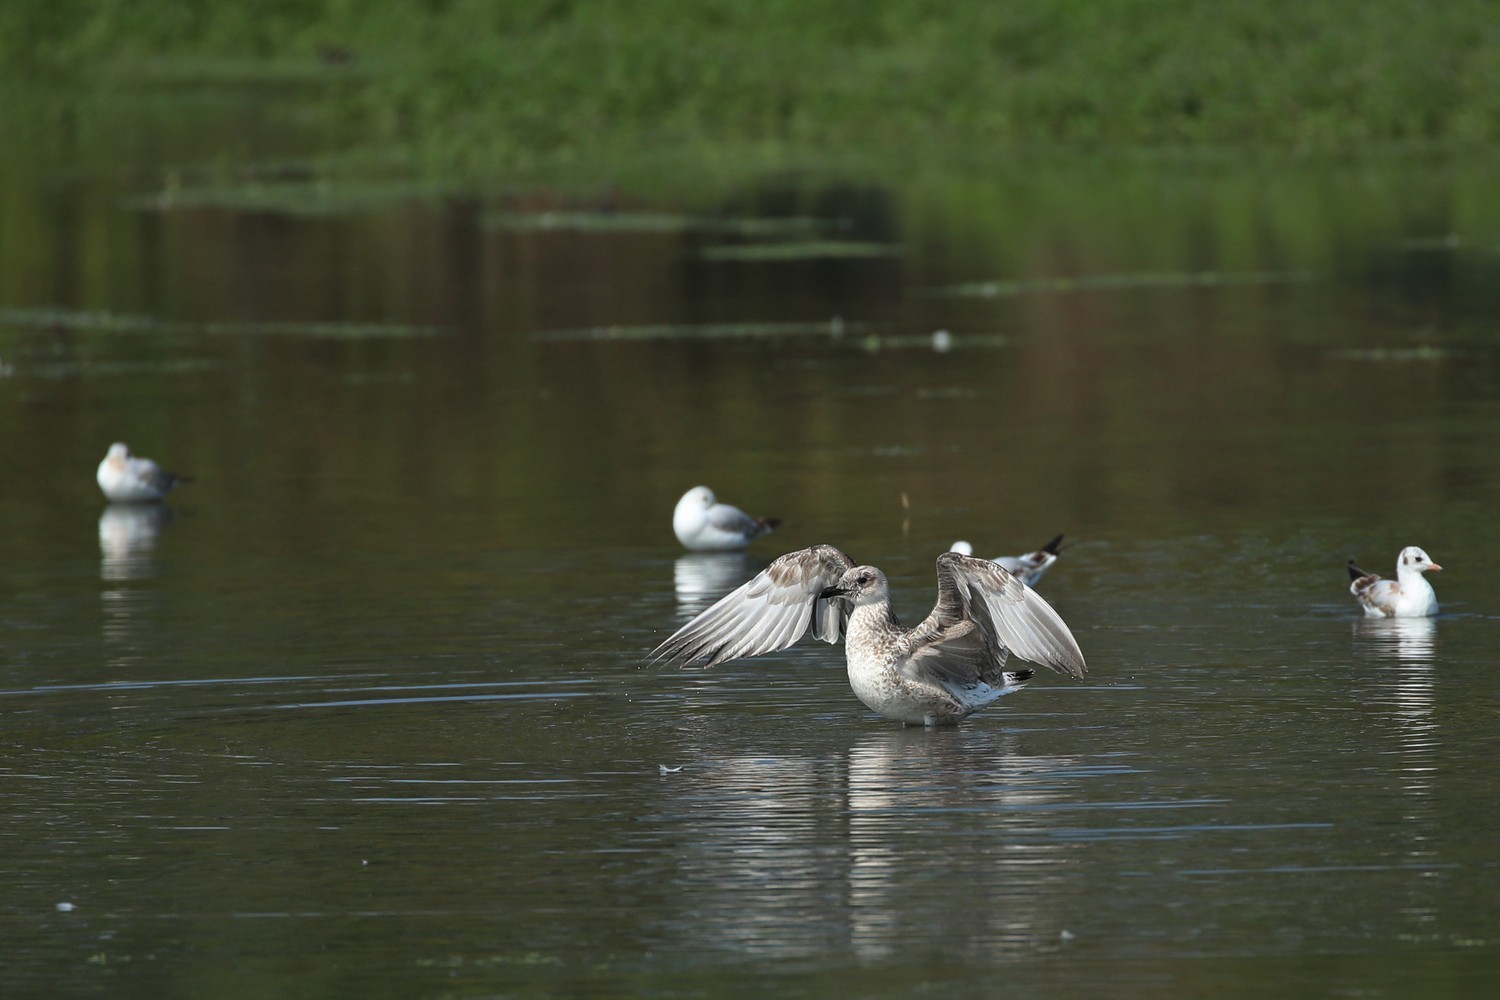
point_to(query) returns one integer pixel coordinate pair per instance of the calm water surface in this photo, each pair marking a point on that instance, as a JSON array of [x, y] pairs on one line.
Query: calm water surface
[[363, 711]]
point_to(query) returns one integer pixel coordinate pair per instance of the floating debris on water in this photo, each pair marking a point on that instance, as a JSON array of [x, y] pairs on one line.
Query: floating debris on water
[[82, 320], [875, 342], [669, 770], [313, 197], [1103, 282], [808, 250], [654, 222], [1393, 355], [890, 451], [947, 392], [1430, 244], [91, 368], [65, 907], [702, 331], [942, 341], [71, 320], [334, 331]]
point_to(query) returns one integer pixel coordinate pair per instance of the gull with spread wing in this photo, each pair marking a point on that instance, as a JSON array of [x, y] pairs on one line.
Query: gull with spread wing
[[941, 671]]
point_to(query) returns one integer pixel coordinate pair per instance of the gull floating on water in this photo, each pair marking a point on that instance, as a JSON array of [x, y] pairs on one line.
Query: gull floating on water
[[705, 525], [127, 479], [1030, 568], [1407, 596], [950, 665]]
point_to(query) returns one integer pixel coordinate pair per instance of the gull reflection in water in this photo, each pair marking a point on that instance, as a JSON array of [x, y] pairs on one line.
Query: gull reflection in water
[[703, 577], [756, 863], [1409, 688], [929, 808], [127, 546], [1405, 639], [127, 539], [794, 854]]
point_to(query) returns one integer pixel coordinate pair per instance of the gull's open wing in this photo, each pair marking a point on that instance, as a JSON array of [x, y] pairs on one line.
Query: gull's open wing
[[768, 613], [1009, 612]]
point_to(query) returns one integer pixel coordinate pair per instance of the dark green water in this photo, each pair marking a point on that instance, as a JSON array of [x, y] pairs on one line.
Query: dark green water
[[363, 713]]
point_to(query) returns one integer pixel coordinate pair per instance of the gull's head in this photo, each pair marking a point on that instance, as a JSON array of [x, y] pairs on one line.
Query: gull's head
[[697, 498], [962, 547], [861, 585], [118, 452], [1414, 560]]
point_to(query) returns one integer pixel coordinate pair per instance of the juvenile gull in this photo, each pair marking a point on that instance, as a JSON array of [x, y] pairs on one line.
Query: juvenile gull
[[950, 665], [127, 479], [1030, 568], [705, 525], [1407, 596]]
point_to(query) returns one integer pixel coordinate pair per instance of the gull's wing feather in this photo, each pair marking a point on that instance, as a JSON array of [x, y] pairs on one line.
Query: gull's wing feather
[[1373, 590], [152, 474], [958, 654], [735, 521], [949, 647], [1014, 615], [768, 613], [727, 518]]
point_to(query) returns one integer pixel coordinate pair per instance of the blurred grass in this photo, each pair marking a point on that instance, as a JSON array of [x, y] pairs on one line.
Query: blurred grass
[[551, 88]]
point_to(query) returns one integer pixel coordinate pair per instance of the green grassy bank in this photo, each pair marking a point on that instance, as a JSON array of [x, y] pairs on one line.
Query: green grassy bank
[[495, 88]]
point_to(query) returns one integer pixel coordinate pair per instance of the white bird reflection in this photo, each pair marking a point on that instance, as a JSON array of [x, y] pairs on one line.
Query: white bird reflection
[[1406, 639], [794, 854], [1409, 689], [127, 539], [703, 577], [127, 547], [904, 781]]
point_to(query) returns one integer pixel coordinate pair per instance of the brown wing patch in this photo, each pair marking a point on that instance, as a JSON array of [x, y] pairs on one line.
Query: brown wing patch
[[824, 561]]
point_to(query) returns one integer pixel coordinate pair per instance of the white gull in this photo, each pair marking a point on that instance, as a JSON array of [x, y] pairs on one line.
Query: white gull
[[950, 665], [1407, 596], [127, 479], [705, 525], [1030, 567]]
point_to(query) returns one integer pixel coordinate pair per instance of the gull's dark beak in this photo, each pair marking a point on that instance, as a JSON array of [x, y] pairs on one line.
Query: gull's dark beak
[[834, 591]]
